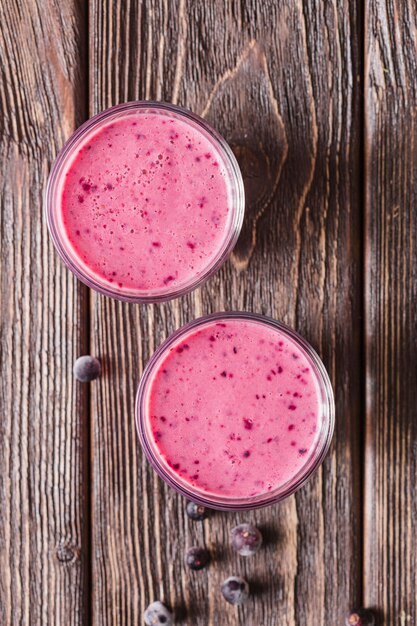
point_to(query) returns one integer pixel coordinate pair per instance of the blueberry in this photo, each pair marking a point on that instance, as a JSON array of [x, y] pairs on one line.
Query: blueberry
[[360, 617], [246, 539], [157, 614], [86, 368], [197, 558], [235, 590], [196, 512]]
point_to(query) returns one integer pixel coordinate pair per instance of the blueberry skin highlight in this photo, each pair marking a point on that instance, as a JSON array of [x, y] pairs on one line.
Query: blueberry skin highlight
[[197, 558], [87, 368], [246, 539], [360, 617], [235, 590], [157, 614], [196, 512]]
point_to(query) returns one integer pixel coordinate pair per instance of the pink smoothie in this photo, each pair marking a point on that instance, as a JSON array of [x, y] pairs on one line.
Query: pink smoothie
[[235, 408], [145, 202]]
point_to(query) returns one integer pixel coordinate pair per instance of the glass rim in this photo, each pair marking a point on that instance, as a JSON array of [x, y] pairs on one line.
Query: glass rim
[[228, 503], [71, 259]]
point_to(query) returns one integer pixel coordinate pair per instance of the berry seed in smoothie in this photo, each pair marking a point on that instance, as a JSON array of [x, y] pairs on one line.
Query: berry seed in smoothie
[[146, 202], [235, 408]]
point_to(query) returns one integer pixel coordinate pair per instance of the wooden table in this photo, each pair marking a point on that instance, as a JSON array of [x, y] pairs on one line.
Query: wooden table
[[318, 99]]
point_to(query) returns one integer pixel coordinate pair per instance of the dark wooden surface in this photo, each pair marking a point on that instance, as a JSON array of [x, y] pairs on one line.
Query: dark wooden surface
[[44, 447], [318, 100], [390, 521]]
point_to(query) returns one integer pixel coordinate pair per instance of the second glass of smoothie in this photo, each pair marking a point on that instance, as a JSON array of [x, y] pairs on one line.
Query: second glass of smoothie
[[145, 202], [235, 411]]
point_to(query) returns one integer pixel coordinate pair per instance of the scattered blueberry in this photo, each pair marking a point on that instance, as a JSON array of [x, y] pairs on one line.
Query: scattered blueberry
[[196, 512], [360, 617], [86, 368], [157, 614], [235, 590], [197, 558], [246, 539]]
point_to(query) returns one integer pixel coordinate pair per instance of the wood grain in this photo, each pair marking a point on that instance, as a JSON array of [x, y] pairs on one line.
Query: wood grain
[[283, 82], [280, 80], [44, 521], [391, 197]]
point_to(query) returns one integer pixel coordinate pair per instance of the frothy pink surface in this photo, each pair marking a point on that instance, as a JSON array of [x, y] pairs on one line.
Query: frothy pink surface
[[235, 408], [145, 202]]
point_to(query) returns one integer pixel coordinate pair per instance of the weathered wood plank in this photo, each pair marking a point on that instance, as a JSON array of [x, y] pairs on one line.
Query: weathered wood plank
[[44, 421], [391, 296], [280, 80]]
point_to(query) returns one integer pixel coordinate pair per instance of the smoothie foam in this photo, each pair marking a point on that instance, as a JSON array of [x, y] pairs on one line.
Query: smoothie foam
[[145, 202], [234, 408]]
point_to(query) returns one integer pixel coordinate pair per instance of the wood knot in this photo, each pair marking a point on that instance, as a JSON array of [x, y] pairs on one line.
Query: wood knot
[[259, 174], [255, 172], [66, 553], [256, 134]]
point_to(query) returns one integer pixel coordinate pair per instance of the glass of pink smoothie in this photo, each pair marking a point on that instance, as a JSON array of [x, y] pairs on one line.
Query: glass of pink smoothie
[[145, 202], [235, 411]]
